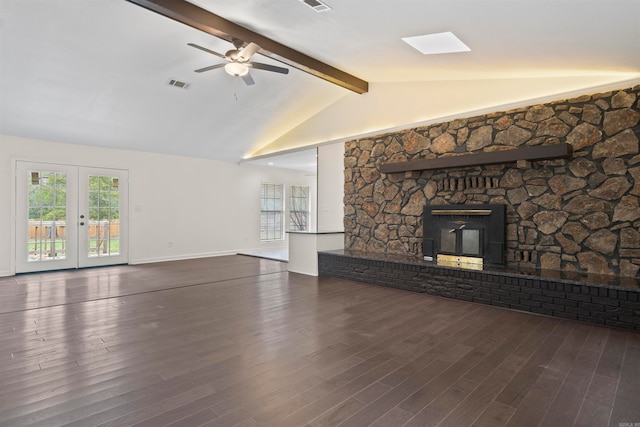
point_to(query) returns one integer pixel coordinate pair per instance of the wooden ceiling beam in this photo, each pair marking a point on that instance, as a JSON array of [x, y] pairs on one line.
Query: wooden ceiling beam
[[203, 20]]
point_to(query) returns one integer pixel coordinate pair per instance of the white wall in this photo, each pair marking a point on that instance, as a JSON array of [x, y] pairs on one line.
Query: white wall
[[205, 207], [331, 187], [392, 106]]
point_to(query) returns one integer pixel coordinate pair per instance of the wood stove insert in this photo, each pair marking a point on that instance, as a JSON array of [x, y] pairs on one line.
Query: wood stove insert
[[468, 236]]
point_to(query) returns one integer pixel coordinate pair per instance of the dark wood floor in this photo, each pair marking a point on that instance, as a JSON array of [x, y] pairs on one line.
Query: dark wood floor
[[238, 341]]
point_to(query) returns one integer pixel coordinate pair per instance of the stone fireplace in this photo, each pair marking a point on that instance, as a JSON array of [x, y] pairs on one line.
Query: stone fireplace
[[571, 223], [469, 236], [578, 214]]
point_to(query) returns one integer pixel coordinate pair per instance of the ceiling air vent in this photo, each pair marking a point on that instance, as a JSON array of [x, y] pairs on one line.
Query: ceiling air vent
[[178, 83], [316, 5]]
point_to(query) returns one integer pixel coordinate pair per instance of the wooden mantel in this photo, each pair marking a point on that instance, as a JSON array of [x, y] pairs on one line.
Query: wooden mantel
[[538, 152]]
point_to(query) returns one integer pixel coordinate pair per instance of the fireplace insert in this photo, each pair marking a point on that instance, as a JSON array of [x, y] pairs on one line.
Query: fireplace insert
[[465, 235]]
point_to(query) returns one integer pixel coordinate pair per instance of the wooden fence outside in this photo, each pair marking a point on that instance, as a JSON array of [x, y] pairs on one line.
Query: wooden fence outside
[[44, 236]]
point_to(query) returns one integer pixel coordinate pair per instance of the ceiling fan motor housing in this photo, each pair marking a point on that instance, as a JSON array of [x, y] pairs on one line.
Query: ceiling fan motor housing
[[232, 54]]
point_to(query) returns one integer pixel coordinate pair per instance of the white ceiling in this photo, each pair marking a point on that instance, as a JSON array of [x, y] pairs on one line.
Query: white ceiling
[[96, 72]]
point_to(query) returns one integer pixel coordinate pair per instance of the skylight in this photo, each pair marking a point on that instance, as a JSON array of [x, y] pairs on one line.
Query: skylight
[[432, 44]]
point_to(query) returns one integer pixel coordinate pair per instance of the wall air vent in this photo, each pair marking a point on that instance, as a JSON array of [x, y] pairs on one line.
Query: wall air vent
[[178, 83], [316, 5]]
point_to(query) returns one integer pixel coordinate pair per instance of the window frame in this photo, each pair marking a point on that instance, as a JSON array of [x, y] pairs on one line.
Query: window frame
[[293, 207], [272, 211]]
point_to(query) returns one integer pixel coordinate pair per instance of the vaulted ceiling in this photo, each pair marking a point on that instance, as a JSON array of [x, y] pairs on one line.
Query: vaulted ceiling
[[97, 72]]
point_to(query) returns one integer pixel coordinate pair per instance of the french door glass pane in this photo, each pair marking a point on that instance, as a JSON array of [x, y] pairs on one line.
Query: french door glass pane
[[46, 236], [104, 216]]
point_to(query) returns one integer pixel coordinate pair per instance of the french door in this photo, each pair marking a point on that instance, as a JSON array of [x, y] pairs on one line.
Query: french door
[[70, 217]]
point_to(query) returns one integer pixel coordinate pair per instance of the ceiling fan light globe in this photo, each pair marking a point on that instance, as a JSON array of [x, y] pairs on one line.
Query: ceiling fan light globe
[[236, 69]]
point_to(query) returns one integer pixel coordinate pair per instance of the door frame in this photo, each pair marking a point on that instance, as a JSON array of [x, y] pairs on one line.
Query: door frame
[[14, 197], [83, 260]]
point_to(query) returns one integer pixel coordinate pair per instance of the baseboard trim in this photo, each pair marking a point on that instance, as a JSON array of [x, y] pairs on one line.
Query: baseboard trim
[[301, 272], [182, 257]]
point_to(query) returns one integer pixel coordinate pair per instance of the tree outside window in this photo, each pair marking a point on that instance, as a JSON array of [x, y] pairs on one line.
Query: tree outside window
[[271, 212], [299, 208]]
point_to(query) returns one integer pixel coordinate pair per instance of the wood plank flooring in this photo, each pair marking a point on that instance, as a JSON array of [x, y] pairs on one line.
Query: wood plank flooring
[[239, 341]]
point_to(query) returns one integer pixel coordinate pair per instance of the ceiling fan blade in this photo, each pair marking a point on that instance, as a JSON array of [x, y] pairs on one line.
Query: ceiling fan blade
[[261, 66], [248, 51], [207, 50], [210, 67], [248, 79]]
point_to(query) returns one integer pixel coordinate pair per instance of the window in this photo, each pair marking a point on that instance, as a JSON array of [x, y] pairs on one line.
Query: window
[[271, 212], [299, 209]]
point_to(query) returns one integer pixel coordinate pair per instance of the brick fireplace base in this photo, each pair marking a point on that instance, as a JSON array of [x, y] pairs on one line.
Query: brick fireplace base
[[602, 300]]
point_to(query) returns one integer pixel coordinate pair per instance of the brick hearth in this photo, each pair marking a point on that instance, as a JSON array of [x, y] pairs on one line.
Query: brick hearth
[[598, 299]]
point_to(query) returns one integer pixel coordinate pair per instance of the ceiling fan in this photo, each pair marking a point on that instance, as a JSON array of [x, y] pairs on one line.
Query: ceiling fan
[[238, 63]]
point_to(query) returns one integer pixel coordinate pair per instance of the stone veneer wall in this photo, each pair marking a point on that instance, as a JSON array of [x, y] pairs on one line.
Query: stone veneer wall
[[577, 214]]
